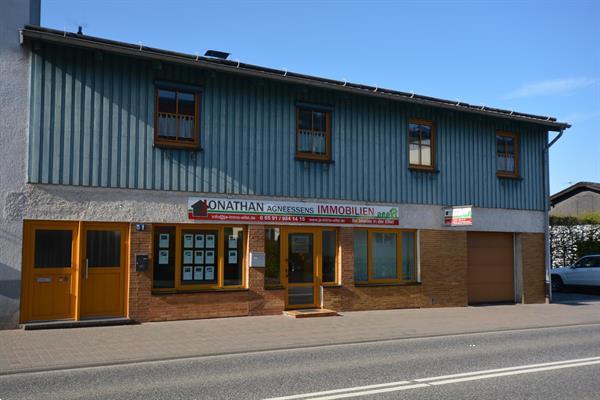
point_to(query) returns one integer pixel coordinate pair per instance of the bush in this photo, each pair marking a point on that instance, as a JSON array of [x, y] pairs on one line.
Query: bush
[[585, 247], [585, 219], [590, 218]]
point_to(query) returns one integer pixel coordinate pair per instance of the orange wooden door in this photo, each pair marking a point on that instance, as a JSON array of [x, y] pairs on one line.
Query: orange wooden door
[[49, 271], [103, 268]]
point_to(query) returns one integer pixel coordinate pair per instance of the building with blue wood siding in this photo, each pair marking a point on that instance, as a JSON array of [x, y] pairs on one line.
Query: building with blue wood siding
[[151, 185]]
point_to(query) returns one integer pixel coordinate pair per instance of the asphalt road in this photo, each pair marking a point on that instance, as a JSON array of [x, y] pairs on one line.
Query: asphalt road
[[399, 369]]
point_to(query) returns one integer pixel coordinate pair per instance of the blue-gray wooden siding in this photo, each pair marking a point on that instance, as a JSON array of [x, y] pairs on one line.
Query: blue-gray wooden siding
[[92, 117]]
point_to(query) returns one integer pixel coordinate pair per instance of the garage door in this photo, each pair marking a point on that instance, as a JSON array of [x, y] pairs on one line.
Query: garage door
[[490, 267]]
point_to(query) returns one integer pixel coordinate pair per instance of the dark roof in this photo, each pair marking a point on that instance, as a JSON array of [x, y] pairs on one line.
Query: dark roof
[[138, 50], [573, 190]]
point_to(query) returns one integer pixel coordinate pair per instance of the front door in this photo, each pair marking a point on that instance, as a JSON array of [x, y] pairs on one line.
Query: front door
[[103, 270], [301, 270], [49, 271]]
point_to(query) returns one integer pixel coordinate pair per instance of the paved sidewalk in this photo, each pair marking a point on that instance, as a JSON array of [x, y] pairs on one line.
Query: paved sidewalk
[[22, 351]]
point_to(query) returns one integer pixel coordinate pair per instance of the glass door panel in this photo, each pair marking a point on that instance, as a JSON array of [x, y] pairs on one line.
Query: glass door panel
[[301, 270]]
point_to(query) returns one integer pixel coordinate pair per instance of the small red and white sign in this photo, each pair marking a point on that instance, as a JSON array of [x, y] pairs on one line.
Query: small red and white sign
[[458, 216]]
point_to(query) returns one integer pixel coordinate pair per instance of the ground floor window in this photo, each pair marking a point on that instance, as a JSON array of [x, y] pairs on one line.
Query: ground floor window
[[384, 255], [272, 257], [198, 257]]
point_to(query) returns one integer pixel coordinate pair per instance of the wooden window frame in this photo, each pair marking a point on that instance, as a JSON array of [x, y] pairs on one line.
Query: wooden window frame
[[311, 156], [219, 285], [421, 167], [515, 137], [176, 143], [399, 279]]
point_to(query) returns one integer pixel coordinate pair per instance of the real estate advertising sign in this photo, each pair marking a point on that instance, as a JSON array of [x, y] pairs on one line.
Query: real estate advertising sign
[[245, 210], [458, 216]]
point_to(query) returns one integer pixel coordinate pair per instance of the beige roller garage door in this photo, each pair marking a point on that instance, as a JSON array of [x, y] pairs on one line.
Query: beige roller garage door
[[491, 273]]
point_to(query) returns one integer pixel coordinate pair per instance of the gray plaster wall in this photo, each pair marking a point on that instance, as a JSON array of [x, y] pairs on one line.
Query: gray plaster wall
[[58, 202], [577, 205], [14, 103]]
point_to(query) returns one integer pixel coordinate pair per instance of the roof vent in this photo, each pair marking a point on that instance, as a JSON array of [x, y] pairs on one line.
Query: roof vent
[[216, 54], [80, 30]]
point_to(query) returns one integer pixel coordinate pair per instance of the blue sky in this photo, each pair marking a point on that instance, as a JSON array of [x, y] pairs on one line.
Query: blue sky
[[541, 57]]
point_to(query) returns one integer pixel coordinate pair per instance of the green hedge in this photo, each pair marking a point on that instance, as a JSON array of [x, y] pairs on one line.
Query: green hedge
[[586, 219], [585, 247]]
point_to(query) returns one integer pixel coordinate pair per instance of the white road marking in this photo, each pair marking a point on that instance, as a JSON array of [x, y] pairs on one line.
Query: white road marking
[[491, 371], [440, 380], [313, 394]]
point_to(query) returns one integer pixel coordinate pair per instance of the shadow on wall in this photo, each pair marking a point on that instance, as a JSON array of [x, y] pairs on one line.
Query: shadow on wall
[[10, 282]]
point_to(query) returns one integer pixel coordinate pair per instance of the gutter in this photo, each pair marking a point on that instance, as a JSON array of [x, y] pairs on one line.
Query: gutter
[[139, 51], [547, 255]]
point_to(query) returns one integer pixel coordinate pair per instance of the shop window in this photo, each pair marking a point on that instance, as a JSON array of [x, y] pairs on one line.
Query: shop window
[[234, 242], [329, 251], [199, 257], [382, 256], [313, 134], [209, 257], [384, 261], [272, 257], [177, 117], [408, 256], [53, 248], [421, 144], [361, 268], [164, 257], [507, 154]]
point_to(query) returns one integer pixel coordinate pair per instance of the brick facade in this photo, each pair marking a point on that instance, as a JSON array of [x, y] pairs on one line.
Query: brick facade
[[443, 277], [534, 271], [443, 262]]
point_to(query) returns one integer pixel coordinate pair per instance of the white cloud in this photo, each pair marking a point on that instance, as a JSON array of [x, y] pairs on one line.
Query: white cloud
[[553, 86], [580, 116]]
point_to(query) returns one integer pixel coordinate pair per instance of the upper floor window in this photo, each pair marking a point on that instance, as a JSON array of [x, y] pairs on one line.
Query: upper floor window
[[313, 134], [507, 154], [177, 117], [421, 144]]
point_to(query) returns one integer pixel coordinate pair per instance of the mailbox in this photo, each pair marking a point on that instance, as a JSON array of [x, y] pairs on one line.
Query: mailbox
[[141, 262]]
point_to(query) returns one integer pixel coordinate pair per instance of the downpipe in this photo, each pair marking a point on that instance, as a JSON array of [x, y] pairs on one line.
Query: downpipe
[[547, 214]]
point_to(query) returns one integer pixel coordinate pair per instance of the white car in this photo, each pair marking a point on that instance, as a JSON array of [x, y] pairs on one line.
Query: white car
[[585, 272]]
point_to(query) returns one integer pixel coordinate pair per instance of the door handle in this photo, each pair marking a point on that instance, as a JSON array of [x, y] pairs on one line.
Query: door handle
[[87, 268]]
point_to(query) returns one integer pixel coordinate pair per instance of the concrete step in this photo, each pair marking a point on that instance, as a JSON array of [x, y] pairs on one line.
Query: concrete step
[[310, 313], [70, 323]]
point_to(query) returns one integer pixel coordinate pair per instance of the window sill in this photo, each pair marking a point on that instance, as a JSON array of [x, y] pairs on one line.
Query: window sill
[[500, 175], [318, 160], [184, 291], [367, 284], [332, 285], [175, 146], [415, 168]]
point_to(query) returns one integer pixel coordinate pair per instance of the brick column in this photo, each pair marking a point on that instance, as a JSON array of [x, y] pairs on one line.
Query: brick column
[[534, 269], [347, 268], [140, 283]]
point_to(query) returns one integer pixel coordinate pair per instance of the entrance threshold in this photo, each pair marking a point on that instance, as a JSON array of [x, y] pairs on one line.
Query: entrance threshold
[[310, 313], [70, 323]]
